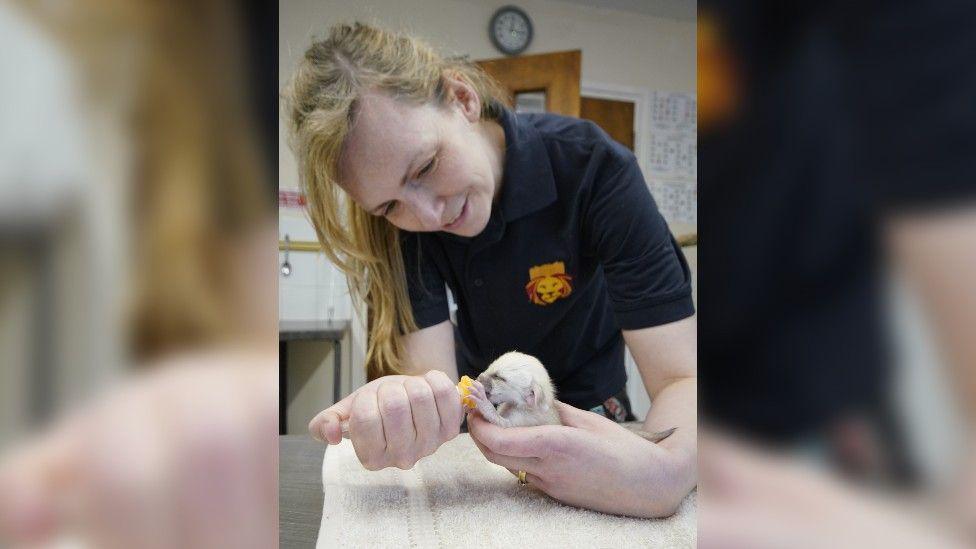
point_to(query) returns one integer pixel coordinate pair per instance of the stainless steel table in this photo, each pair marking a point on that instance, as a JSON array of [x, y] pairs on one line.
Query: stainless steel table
[[309, 330]]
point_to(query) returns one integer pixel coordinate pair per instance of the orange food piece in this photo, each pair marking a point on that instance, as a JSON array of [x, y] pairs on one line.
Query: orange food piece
[[464, 389]]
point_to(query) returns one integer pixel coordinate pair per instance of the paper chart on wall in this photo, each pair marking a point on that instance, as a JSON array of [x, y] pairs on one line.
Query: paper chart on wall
[[674, 111], [673, 155], [677, 201]]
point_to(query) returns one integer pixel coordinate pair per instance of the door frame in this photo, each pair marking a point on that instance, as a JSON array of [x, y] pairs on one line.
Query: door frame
[[558, 74], [641, 98]]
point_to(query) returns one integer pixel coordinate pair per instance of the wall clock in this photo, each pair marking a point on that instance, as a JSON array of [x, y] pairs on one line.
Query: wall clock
[[510, 30]]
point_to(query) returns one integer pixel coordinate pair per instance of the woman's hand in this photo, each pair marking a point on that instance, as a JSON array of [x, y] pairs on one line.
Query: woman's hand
[[589, 462], [182, 456], [754, 498], [394, 420]]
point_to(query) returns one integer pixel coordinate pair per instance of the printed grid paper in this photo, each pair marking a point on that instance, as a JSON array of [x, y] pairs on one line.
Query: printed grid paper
[[673, 159]]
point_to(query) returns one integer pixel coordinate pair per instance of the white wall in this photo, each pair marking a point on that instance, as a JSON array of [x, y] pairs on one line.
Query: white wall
[[620, 48]]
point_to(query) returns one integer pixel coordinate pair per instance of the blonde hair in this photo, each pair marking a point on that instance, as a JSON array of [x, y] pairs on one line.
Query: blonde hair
[[199, 189], [321, 105]]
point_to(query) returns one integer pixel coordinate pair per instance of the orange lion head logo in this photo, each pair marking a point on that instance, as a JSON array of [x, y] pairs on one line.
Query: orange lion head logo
[[548, 283]]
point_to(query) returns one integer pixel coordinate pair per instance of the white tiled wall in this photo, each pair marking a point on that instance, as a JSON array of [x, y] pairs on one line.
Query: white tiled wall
[[294, 223], [315, 290]]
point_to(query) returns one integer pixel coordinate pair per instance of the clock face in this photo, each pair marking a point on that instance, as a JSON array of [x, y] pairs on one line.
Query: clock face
[[511, 30]]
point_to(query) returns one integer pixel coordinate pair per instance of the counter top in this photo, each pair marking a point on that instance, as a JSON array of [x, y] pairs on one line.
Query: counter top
[[290, 330]]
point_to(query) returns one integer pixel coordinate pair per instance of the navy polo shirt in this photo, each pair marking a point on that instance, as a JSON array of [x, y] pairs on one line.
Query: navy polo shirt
[[574, 251]]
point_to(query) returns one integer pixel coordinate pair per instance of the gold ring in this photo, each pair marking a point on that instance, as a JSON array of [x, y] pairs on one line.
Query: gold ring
[[521, 478]]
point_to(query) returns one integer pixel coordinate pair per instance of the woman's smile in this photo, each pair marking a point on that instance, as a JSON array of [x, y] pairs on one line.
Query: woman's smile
[[459, 219]]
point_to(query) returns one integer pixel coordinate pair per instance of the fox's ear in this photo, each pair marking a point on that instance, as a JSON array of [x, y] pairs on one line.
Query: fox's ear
[[535, 394]]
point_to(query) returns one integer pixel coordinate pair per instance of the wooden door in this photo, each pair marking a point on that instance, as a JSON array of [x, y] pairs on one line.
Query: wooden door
[[615, 117], [557, 75]]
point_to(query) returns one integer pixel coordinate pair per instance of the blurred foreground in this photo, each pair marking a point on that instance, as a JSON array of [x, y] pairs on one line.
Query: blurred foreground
[[138, 396], [838, 220]]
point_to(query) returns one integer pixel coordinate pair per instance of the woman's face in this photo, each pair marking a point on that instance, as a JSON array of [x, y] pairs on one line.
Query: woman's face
[[425, 168]]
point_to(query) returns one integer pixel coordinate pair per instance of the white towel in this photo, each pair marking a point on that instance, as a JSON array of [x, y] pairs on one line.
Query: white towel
[[457, 498]]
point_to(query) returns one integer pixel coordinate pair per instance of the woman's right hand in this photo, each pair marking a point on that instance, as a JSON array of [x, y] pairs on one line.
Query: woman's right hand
[[394, 420]]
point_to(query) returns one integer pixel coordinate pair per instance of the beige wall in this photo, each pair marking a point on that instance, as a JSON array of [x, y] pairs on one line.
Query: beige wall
[[310, 380]]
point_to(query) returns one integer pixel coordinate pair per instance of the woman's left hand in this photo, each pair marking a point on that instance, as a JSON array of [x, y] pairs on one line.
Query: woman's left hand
[[589, 462]]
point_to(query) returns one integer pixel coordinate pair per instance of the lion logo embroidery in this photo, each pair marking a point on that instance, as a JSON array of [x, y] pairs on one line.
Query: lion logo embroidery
[[547, 283]]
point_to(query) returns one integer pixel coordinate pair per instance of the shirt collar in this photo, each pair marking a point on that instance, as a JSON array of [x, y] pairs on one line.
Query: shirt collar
[[527, 184], [527, 181]]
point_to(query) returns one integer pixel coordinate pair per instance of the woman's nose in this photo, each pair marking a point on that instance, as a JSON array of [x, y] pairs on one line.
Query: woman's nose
[[427, 208]]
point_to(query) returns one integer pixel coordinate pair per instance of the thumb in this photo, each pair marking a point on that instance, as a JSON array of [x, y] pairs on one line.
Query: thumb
[[326, 426], [572, 416]]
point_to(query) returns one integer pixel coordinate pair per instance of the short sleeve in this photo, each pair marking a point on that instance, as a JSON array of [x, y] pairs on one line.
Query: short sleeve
[[648, 278], [425, 285]]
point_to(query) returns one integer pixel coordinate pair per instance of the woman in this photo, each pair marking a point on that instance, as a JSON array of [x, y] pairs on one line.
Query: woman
[[546, 234]]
